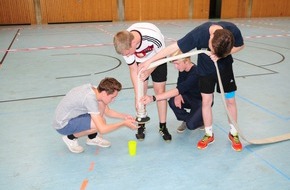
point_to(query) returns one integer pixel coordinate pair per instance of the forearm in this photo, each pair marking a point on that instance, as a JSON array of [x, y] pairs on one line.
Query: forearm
[[114, 114], [168, 94], [102, 126], [164, 52], [111, 127], [237, 49]]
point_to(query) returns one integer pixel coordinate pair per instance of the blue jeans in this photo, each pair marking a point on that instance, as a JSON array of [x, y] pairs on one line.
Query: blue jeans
[[193, 117]]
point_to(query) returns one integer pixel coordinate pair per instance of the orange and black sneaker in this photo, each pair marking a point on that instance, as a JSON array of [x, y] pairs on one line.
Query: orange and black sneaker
[[236, 143], [207, 139]]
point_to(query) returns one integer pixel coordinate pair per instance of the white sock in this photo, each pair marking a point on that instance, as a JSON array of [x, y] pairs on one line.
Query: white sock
[[208, 130], [233, 130]]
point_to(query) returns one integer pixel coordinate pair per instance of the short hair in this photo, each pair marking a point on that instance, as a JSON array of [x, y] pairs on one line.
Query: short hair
[[179, 52], [110, 85], [222, 42], [122, 41]]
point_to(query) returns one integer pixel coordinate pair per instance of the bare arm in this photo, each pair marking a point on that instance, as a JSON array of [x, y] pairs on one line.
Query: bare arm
[[236, 49], [166, 95], [163, 53], [103, 127], [114, 114]]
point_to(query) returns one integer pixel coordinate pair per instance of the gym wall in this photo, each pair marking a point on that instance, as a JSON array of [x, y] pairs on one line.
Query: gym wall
[[66, 11]]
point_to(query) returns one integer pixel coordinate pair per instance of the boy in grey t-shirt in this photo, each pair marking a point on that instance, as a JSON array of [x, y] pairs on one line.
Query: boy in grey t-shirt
[[81, 112]]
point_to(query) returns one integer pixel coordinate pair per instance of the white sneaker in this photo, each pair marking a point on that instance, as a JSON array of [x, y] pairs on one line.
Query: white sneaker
[[181, 128], [98, 141], [73, 145]]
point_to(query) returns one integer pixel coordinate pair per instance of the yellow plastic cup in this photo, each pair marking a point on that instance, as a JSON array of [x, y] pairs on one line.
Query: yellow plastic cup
[[132, 147]]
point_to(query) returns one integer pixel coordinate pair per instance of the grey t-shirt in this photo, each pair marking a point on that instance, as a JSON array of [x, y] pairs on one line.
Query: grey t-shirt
[[78, 101]]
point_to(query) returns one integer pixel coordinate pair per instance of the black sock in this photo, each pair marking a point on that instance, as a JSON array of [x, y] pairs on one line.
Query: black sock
[[92, 136], [162, 125], [71, 137]]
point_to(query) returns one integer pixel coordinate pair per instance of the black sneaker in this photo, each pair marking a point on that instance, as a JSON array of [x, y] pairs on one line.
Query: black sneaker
[[141, 133], [165, 134]]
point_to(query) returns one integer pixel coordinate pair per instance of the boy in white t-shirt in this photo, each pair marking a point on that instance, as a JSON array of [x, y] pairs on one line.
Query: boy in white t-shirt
[[137, 44]]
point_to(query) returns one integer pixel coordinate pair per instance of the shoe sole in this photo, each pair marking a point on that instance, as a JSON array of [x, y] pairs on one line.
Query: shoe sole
[[142, 120], [163, 138], [206, 146], [178, 131], [237, 150], [71, 149], [103, 146], [140, 139]]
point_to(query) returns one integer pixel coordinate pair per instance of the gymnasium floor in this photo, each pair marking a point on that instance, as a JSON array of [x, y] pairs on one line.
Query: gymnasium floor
[[44, 62]]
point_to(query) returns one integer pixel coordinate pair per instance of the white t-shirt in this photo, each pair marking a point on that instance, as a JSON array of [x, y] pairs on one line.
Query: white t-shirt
[[152, 41]]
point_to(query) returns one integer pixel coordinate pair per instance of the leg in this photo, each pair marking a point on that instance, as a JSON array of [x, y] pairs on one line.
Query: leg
[[233, 134], [181, 114], [194, 119], [96, 139], [159, 80], [162, 111], [159, 87], [207, 86], [206, 109], [75, 128], [232, 107], [229, 84]]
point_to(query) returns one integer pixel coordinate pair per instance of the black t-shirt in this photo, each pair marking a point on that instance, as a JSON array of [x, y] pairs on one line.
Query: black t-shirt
[[198, 39]]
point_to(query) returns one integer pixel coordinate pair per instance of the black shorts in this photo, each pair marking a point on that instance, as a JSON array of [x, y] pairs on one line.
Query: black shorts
[[207, 83], [160, 73]]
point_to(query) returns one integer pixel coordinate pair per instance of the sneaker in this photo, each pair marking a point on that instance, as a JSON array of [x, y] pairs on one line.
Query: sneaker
[[98, 141], [141, 133], [236, 143], [165, 134], [181, 128], [73, 145], [206, 140]]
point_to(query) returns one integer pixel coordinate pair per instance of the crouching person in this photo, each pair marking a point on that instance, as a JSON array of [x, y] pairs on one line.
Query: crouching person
[[82, 113]]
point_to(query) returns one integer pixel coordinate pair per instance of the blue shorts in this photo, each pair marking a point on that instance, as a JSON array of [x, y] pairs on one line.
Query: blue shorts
[[230, 95], [76, 125]]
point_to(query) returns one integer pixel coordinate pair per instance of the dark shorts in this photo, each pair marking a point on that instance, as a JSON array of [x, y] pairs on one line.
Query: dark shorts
[[207, 83], [76, 125], [160, 73]]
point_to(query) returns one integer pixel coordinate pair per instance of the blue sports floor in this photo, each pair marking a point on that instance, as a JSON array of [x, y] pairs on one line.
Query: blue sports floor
[[39, 64]]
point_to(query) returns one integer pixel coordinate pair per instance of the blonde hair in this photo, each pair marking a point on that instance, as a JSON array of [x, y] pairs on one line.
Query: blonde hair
[[178, 52], [122, 41]]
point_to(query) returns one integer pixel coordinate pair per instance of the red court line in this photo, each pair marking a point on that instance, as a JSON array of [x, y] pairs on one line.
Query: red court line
[[55, 47], [84, 184], [91, 168], [110, 44]]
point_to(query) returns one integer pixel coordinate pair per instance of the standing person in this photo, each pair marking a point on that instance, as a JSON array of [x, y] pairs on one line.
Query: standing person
[[137, 44], [186, 95], [222, 39], [81, 112]]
